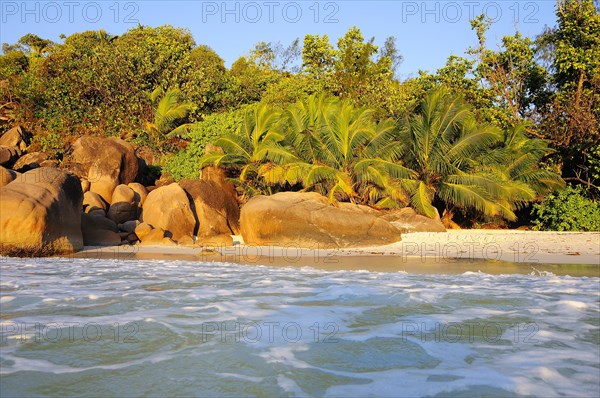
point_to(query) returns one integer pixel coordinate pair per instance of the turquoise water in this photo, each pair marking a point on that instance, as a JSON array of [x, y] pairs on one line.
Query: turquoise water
[[164, 328]]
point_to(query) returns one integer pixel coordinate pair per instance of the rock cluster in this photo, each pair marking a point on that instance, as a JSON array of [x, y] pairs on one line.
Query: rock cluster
[[94, 198]]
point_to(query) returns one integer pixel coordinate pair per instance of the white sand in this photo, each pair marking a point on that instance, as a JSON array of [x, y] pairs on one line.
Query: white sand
[[422, 248], [505, 245]]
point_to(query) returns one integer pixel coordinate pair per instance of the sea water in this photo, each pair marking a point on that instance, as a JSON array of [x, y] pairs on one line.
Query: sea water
[[176, 328]]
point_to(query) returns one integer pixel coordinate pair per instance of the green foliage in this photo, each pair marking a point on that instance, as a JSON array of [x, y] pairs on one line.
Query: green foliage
[[594, 163], [317, 55], [100, 84], [356, 70], [572, 118], [251, 149], [182, 165], [291, 89], [576, 41], [440, 154], [519, 158], [51, 143], [326, 126], [452, 157], [208, 81], [248, 82], [13, 63], [185, 164], [169, 114], [340, 151], [30, 44], [567, 210]]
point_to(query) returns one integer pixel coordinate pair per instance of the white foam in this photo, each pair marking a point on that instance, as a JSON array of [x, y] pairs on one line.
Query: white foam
[[572, 305], [362, 305], [6, 299]]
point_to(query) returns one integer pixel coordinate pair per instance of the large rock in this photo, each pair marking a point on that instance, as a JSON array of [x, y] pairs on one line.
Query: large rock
[[142, 193], [140, 190], [30, 161], [215, 206], [40, 214], [75, 168], [169, 208], [16, 138], [8, 156], [85, 185], [407, 220], [108, 162], [164, 180], [124, 205], [7, 176], [129, 226], [50, 163], [142, 230], [309, 220], [99, 231], [157, 236], [92, 201]]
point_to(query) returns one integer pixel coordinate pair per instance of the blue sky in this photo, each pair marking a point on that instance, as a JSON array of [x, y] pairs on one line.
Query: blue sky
[[427, 32]]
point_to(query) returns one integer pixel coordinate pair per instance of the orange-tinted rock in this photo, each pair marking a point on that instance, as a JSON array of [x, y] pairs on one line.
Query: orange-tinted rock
[[108, 162], [40, 214], [169, 208], [309, 220]]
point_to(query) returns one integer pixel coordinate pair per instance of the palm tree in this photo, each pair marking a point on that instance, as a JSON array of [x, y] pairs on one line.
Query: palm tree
[[518, 158], [444, 146], [252, 149], [169, 113], [340, 151]]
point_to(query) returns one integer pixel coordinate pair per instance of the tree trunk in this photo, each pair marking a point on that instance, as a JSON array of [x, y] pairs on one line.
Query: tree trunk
[[575, 112]]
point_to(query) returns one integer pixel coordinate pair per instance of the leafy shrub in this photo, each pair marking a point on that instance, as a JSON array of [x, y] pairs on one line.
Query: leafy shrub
[[567, 210], [52, 143], [184, 164]]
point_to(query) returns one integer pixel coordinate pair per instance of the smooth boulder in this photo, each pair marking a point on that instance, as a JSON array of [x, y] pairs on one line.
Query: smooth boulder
[[85, 185], [407, 220], [140, 190], [124, 205], [99, 231], [30, 161], [16, 138], [92, 201], [106, 163], [40, 214], [8, 156], [142, 230], [216, 208], [308, 220], [7, 176], [157, 236], [168, 207]]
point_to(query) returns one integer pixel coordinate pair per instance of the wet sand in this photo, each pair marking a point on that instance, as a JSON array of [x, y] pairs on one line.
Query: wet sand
[[489, 251]]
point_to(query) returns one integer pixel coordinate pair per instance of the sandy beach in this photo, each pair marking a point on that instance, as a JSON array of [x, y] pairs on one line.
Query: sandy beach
[[455, 251]]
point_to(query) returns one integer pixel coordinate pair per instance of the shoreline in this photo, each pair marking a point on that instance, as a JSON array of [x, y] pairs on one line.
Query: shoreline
[[455, 251]]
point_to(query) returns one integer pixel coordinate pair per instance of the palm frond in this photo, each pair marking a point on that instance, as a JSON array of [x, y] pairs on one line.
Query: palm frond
[[421, 200]]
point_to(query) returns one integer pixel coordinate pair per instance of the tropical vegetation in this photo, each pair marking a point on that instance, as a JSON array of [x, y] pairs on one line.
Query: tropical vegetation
[[494, 131], [439, 155]]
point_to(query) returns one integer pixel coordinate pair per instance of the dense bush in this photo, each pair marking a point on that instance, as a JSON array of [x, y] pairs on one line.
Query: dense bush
[[330, 146], [567, 210], [184, 164], [97, 83]]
